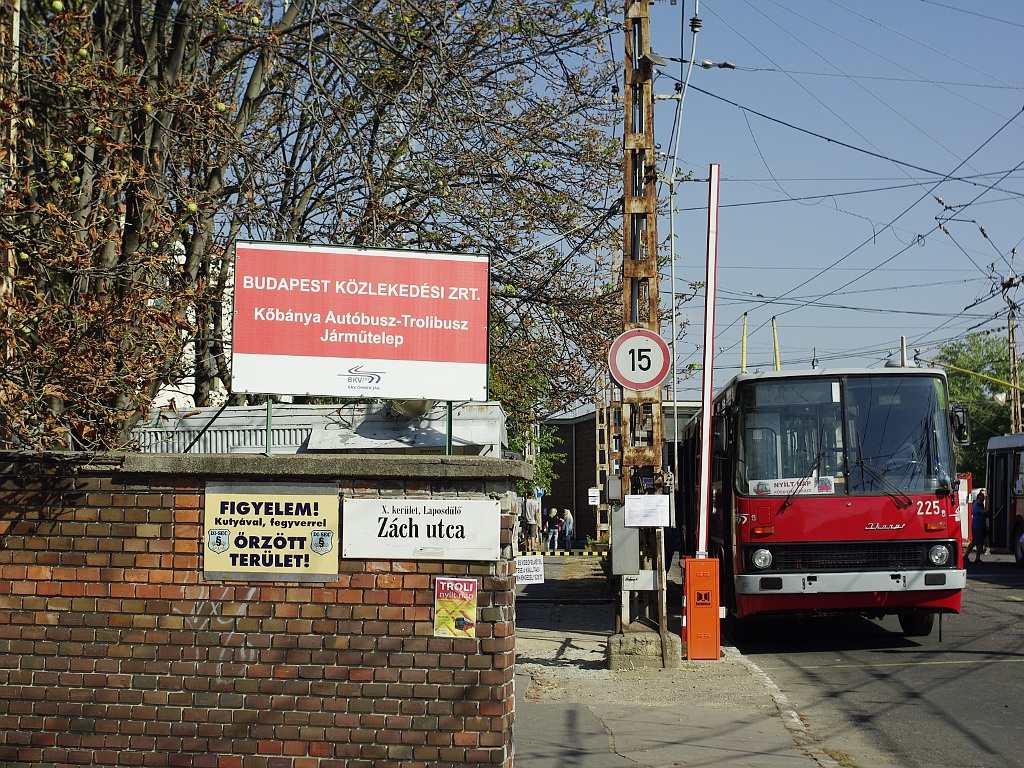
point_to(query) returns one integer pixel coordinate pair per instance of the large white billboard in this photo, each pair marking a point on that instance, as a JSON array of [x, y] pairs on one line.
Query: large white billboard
[[356, 322]]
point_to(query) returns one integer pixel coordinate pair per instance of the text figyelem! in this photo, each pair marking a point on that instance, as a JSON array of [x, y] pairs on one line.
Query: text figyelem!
[[296, 508]]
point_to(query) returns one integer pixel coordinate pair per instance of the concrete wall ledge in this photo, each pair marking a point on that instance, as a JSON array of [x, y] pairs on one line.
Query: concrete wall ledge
[[306, 466]]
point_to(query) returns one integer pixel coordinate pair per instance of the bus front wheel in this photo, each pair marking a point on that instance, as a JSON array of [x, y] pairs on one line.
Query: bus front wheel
[[917, 624]]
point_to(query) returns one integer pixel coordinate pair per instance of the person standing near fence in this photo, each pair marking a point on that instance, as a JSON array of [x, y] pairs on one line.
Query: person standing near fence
[[533, 521], [567, 528], [551, 529]]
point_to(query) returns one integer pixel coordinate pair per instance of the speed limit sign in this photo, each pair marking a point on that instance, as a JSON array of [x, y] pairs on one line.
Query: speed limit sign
[[639, 359]]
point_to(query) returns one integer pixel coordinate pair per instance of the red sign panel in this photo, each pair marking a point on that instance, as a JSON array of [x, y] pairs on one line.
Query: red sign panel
[[330, 320]]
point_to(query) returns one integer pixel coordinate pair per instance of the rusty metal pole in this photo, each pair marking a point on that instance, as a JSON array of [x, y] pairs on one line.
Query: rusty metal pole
[[642, 432]]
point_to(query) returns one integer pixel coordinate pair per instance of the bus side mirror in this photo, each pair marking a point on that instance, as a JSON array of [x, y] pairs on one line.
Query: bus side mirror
[[719, 435], [961, 421]]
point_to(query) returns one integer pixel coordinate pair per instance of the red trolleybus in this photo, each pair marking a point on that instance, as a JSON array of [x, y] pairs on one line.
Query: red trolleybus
[[833, 491]]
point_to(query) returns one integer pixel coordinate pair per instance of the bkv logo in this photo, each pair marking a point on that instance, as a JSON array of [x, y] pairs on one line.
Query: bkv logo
[[356, 375], [321, 542], [218, 540]]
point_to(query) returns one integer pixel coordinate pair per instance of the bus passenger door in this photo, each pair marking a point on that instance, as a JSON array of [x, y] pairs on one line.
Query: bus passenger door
[[999, 497], [723, 524]]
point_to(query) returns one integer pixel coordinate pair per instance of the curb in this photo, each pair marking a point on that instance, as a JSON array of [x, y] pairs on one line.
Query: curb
[[790, 717]]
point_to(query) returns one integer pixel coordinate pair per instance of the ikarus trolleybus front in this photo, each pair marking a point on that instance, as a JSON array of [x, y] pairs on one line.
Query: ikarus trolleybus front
[[834, 491]]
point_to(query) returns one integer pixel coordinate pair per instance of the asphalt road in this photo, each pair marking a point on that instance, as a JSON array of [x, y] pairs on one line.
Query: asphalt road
[[873, 698]]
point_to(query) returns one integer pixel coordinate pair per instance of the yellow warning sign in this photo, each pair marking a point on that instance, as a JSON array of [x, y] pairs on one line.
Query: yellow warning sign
[[271, 532]]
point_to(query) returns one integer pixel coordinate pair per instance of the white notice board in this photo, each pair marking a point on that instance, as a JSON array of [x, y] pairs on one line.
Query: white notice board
[[647, 510], [530, 569], [421, 529]]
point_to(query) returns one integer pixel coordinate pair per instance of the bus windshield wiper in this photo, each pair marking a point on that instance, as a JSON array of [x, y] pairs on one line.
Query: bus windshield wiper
[[890, 489], [806, 476]]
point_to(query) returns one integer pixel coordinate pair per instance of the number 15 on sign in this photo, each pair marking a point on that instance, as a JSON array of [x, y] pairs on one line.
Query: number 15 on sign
[[639, 359]]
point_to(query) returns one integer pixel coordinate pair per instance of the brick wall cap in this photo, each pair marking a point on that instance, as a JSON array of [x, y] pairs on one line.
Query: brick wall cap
[[305, 466]]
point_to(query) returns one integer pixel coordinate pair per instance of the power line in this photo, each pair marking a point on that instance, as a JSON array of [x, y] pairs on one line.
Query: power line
[[791, 301], [847, 145], [798, 302], [973, 13], [897, 218], [877, 78], [959, 62], [871, 93], [830, 195]]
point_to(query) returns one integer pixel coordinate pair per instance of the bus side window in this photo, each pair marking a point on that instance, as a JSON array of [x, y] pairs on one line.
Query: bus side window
[[719, 435], [1018, 474]]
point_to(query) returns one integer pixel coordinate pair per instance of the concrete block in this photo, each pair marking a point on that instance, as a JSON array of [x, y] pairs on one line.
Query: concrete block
[[642, 650]]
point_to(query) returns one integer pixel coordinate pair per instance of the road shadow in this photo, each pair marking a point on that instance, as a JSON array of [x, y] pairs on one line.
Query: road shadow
[[584, 618], [569, 580], [807, 634], [998, 571]]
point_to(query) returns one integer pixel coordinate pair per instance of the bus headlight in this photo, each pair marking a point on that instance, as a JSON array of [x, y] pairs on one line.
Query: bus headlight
[[938, 555], [761, 558]]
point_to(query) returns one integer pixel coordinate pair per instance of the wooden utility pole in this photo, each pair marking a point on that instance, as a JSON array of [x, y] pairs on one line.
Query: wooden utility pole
[[1008, 283], [1015, 406]]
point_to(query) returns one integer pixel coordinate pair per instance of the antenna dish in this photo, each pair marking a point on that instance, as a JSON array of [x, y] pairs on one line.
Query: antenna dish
[[410, 409]]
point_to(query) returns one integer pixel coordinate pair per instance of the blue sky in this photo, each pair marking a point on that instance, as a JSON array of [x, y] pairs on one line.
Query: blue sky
[[840, 125]]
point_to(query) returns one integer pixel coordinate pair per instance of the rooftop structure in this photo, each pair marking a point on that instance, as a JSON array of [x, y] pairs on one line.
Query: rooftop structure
[[404, 427]]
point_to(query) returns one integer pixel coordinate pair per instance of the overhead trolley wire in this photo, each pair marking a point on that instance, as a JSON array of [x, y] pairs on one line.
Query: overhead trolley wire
[[906, 210], [847, 145]]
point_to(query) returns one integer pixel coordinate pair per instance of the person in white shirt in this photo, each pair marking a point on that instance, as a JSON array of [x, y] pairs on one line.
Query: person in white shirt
[[533, 520]]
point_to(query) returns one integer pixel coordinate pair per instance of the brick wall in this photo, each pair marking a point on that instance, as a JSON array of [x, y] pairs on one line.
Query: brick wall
[[114, 650]]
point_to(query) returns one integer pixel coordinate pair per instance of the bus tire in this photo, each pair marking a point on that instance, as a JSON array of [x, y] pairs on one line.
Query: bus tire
[[917, 624], [1018, 554]]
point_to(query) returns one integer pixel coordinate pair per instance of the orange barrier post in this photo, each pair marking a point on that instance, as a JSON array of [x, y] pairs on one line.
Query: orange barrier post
[[702, 625]]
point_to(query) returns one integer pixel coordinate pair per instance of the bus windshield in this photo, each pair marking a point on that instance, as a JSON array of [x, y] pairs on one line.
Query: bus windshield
[[842, 435]]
